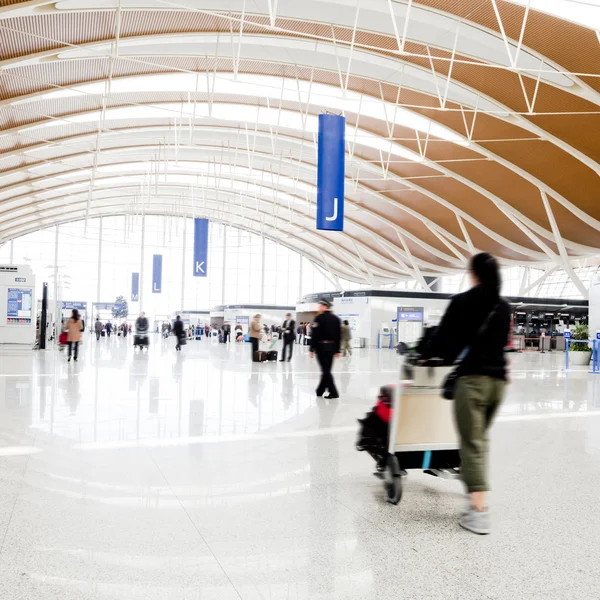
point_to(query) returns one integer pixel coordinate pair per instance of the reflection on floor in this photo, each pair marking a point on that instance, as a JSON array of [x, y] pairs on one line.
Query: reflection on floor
[[200, 475]]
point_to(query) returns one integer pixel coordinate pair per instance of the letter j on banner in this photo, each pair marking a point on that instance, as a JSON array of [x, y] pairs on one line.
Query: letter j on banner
[[330, 173], [200, 247], [157, 274], [135, 287]]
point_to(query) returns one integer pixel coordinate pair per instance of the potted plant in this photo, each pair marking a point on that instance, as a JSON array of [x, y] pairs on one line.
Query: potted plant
[[580, 352]]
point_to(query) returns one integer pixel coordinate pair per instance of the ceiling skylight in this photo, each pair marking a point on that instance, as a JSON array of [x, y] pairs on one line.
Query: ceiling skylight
[[583, 12], [182, 113], [274, 88]]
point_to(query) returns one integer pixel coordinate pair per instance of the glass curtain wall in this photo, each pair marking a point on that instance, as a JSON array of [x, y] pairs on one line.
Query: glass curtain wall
[[557, 285], [234, 274]]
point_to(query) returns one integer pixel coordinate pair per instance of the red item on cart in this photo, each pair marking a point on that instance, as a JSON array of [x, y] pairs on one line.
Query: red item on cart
[[62, 338], [383, 408]]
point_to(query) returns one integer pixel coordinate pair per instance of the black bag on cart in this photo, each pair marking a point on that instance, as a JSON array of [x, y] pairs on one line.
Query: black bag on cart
[[272, 355], [374, 429], [259, 356], [141, 340]]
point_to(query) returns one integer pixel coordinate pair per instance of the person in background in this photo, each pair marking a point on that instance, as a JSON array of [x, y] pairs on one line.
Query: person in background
[[74, 330], [325, 339], [476, 327], [226, 332], [142, 325], [346, 339], [108, 328], [255, 334], [307, 334], [98, 328], [288, 332], [130, 329], [299, 332], [178, 332]]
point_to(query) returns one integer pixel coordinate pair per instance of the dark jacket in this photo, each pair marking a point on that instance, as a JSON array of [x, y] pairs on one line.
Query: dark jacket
[[289, 332], [142, 325], [459, 328], [178, 328], [326, 328]]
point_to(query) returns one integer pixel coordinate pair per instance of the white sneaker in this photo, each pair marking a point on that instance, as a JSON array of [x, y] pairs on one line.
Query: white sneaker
[[476, 522]]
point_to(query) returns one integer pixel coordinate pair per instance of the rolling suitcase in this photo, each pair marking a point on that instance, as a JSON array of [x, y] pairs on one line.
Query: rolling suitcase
[[260, 356], [272, 355]]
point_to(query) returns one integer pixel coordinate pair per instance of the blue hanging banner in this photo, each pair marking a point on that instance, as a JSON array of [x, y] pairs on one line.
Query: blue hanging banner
[[135, 287], [330, 173], [200, 247], [157, 274]]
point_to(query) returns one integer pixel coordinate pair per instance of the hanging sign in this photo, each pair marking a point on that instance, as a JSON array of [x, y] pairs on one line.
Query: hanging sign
[[135, 287], [157, 274], [330, 173], [200, 247]]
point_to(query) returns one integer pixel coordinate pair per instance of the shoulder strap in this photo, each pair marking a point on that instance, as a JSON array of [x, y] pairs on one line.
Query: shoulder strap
[[487, 320]]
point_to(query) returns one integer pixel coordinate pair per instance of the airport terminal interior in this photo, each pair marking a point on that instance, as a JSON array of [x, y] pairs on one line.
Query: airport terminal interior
[[202, 202]]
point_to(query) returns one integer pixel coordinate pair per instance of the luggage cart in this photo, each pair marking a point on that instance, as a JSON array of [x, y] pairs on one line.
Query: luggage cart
[[422, 434]]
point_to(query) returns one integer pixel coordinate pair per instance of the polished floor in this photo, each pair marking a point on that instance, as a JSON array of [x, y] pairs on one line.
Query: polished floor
[[199, 475]]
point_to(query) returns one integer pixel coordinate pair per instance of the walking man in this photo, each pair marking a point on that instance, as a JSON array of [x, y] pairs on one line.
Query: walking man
[[346, 338], [289, 336], [179, 333], [325, 342], [98, 328]]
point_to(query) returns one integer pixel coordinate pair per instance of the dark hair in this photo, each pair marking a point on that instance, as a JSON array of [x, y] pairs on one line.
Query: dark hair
[[178, 317], [75, 315], [486, 269], [346, 323]]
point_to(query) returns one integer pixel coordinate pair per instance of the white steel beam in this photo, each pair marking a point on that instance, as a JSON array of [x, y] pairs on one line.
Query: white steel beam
[[566, 263]]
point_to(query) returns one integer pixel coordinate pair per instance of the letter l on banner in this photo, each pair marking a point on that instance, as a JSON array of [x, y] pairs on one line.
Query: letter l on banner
[[157, 274], [330, 173], [200, 247]]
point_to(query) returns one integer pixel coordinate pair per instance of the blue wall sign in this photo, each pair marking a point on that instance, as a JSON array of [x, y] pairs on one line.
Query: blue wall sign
[[409, 313], [80, 306], [567, 335], [200, 247], [157, 274], [135, 287], [330, 173], [106, 306]]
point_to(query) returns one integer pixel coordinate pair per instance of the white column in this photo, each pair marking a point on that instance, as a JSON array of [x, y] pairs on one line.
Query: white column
[[57, 309], [262, 273], [594, 305], [98, 287], [183, 264], [12, 247], [142, 260], [300, 277], [224, 263]]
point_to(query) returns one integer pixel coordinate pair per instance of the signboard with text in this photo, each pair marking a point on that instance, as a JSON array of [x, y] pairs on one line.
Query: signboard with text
[[200, 247], [19, 306]]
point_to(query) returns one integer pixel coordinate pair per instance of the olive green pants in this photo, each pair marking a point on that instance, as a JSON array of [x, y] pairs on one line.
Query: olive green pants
[[476, 401]]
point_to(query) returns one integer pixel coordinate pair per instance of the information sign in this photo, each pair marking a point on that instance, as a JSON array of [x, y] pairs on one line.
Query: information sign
[[19, 306]]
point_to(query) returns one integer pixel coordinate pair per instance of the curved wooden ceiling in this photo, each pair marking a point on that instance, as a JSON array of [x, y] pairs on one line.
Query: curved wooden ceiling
[[472, 125]]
